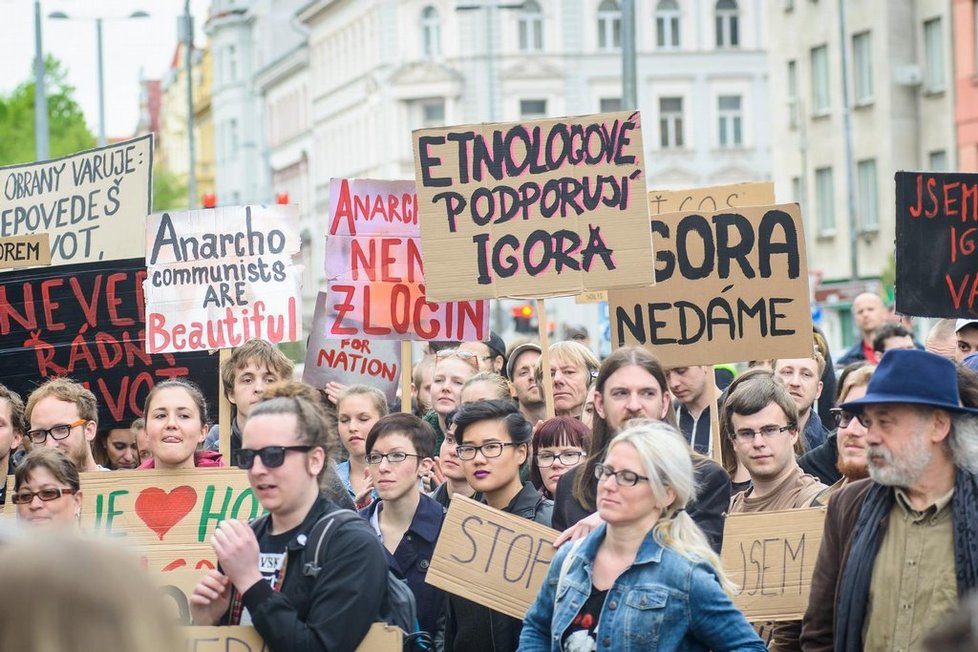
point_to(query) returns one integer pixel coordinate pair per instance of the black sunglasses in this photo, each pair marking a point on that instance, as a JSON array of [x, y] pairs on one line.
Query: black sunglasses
[[271, 456]]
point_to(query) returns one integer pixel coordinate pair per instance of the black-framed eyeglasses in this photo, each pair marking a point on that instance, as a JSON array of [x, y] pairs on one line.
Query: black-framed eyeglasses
[[271, 456], [25, 496], [395, 457], [567, 458], [842, 418], [57, 433], [622, 478], [492, 449], [767, 432]]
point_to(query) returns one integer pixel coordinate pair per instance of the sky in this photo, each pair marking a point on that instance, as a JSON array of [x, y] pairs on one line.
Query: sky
[[130, 48]]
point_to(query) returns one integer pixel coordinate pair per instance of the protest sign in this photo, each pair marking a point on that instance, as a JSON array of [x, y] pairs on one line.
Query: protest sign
[[771, 557], [92, 205], [167, 516], [528, 210], [730, 286], [709, 198], [86, 321], [25, 251], [374, 274], [350, 361], [491, 557], [177, 587], [217, 278], [936, 234], [380, 638]]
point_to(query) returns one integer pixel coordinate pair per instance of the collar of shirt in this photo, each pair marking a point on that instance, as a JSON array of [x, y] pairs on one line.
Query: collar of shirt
[[903, 500]]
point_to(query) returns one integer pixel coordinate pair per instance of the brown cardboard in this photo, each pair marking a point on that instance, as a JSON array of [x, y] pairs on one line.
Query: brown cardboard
[[380, 638], [771, 557], [709, 198], [777, 290], [445, 172], [491, 557], [25, 251]]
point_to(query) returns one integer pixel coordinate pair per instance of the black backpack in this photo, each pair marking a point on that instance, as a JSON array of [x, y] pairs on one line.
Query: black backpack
[[398, 608]]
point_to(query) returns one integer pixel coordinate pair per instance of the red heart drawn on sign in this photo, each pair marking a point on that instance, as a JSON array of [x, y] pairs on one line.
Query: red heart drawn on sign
[[160, 511]]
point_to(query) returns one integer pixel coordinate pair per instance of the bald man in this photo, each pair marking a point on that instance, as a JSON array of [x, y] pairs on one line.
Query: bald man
[[942, 339], [869, 313]]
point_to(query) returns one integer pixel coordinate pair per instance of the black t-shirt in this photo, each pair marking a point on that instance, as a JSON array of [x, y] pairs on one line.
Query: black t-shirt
[[579, 636], [272, 555]]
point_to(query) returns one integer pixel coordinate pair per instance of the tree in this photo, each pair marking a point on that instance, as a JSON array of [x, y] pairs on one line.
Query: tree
[[67, 130], [169, 191]]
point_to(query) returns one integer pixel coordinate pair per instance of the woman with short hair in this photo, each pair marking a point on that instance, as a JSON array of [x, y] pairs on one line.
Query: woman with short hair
[[47, 489]]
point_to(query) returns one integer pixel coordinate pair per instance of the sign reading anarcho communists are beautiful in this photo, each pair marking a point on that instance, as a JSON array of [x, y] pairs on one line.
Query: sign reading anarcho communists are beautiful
[[219, 277], [91, 205], [729, 285], [87, 321], [533, 209], [375, 279], [936, 237]]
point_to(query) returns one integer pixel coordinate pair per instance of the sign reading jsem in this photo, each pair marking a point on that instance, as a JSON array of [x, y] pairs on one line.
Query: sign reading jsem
[[541, 208], [375, 279], [936, 236], [728, 284], [219, 277]]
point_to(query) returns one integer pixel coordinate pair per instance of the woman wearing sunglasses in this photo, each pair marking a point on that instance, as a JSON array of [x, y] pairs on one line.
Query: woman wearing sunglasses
[[46, 489], [647, 578], [261, 577]]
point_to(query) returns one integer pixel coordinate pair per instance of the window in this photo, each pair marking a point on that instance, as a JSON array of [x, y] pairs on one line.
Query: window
[[793, 94], [667, 24], [531, 27], [934, 53], [796, 190], [609, 104], [727, 23], [609, 25], [232, 60], [825, 201], [937, 161], [820, 80], [430, 32], [869, 210], [233, 139], [670, 122], [533, 109], [789, 5], [862, 56], [433, 113], [731, 121]]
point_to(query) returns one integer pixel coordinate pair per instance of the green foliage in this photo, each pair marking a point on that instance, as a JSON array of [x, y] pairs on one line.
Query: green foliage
[[67, 130], [888, 278], [169, 191]]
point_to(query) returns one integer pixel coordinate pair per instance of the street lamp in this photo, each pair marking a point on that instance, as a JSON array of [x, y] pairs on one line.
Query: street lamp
[[490, 6], [60, 15]]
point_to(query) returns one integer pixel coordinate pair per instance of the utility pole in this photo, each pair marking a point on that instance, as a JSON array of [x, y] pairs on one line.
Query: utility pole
[[847, 143], [41, 148], [629, 82], [188, 40]]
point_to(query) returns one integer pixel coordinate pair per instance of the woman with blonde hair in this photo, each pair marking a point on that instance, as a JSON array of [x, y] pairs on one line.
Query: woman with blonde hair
[[647, 578]]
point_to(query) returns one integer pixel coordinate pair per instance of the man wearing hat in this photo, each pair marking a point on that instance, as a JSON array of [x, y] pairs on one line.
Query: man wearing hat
[[491, 353], [967, 334], [521, 370], [901, 547]]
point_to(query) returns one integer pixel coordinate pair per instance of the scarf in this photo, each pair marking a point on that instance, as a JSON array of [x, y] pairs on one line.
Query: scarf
[[853, 594]]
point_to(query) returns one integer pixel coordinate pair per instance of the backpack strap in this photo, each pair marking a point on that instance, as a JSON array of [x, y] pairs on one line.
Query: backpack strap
[[329, 524]]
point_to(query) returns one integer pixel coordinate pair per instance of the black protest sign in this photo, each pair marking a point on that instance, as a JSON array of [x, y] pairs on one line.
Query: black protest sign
[[87, 322], [936, 232]]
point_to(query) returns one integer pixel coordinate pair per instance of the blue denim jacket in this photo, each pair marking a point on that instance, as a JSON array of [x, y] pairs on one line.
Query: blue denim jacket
[[663, 601]]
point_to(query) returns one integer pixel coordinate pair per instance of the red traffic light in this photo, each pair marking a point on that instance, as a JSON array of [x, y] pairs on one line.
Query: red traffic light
[[209, 200], [522, 312], [282, 198]]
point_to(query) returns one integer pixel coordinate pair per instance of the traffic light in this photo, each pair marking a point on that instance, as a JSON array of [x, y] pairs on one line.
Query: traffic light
[[524, 319]]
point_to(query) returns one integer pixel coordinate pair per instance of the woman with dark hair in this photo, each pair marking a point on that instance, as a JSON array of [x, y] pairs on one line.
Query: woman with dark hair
[[47, 489], [116, 449], [559, 444], [176, 424]]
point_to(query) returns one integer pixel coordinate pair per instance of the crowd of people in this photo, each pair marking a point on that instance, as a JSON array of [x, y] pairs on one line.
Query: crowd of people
[[626, 470]]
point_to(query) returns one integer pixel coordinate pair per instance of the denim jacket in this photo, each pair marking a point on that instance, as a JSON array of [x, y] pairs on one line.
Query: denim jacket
[[663, 601]]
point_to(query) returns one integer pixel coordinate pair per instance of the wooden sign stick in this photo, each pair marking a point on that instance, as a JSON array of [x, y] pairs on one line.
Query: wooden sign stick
[[548, 381], [715, 433], [224, 412], [406, 376]]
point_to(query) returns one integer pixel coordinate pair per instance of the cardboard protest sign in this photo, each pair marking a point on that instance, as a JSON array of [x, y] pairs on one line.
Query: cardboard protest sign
[[494, 558], [936, 234], [708, 198], [375, 278], [92, 205], [771, 557], [25, 251], [380, 638], [87, 321], [350, 361], [167, 516], [541, 208], [219, 277], [729, 286]]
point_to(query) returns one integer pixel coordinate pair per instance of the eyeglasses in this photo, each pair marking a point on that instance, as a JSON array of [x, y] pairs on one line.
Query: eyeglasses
[[567, 458], [47, 494], [767, 432], [56, 433], [271, 456], [394, 458], [492, 449], [622, 478], [842, 418]]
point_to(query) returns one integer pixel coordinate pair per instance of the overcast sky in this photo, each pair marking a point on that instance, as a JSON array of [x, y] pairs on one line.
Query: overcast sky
[[130, 48]]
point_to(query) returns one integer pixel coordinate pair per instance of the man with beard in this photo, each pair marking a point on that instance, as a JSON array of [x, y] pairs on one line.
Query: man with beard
[[900, 547], [63, 414], [521, 369], [850, 437]]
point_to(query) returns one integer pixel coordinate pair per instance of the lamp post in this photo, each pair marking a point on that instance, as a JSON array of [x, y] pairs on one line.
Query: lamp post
[[41, 150], [60, 15], [490, 8]]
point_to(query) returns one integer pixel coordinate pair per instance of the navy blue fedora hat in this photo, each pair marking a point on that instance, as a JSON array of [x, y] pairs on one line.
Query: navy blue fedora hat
[[914, 377]]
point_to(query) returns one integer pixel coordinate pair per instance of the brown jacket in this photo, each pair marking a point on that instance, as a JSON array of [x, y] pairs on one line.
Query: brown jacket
[[818, 626]]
